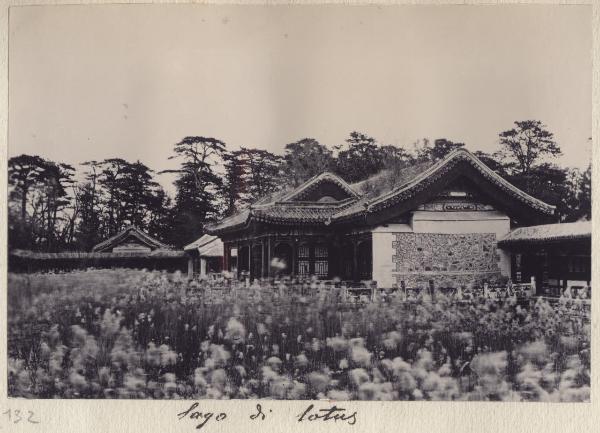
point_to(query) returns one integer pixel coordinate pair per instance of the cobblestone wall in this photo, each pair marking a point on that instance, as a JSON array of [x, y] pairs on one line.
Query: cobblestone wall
[[450, 260]]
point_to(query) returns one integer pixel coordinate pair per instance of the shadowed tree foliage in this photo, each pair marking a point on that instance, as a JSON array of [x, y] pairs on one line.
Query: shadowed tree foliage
[[394, 156], [527, 150], [114, 194], [53, 200], [38, 194], [24, 172], [548, 183], [306, 158], [250, 174], [493, 161], [584, 195], [262, 173], [579, 200], [441, 147], [233, 189], [359, 159], [526, 144], [197, 184], [45, 215], [89, 202]]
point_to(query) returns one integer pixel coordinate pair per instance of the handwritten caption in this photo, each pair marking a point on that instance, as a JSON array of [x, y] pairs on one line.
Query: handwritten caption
[[312, 413], [16, 416], [202, 418]]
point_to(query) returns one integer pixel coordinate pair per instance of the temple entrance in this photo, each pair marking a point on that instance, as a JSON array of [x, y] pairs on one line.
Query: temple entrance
[[244, 259]]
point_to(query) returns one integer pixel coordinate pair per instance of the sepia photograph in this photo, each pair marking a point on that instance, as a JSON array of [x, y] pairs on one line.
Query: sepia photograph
[[316, 202]]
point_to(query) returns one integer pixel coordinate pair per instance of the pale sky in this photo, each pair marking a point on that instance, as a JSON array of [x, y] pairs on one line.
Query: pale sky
[[92, 82]]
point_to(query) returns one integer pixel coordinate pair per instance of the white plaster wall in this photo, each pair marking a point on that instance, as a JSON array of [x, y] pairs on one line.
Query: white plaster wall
[[436, 222], [461, 222], [383, 252]]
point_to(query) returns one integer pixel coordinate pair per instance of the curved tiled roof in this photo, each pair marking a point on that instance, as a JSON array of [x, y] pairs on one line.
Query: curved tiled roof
[[207, 246], [281, 213], [232, 222], [377, 193], [425, 178], [314, 182], [135, 232], [548, 233]]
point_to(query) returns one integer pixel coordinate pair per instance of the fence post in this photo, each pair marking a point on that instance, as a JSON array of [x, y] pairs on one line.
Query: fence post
[[533, 288], [190, 268], [486, 293], [432, 290]]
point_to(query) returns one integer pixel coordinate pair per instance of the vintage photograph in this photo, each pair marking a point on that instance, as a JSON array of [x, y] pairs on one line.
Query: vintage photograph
[[300, 202]]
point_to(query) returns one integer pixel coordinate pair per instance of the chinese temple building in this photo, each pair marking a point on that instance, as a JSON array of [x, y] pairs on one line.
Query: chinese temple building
[[432, 223], [130, 248]]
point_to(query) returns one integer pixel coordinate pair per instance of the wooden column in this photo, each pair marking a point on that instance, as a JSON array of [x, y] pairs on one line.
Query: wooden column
[[250, 270], [249, 257], [355, 273], [226, 254], [333, 264], [294, 253], [238, 260], [545, 272], [190, 267], [262, 258], [202, 267], [269, 257], [341, 262]]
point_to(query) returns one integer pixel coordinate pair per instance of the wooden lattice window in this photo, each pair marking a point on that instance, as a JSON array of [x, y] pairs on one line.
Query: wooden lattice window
[[321, 260], [303, 267], [303, 251], [321, 251], [321, 268]]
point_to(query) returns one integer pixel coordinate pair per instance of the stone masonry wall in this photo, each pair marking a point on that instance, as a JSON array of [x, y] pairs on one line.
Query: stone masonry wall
[[450, 260]]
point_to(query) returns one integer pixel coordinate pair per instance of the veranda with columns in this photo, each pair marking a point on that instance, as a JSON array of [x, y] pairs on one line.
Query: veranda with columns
[[325, 256]]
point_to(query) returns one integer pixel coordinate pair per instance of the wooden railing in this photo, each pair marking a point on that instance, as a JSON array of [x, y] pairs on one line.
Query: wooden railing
[[487, 291], [367, 291]]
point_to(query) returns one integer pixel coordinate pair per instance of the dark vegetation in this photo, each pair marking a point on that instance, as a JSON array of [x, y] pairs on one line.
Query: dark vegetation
[[55, 207]]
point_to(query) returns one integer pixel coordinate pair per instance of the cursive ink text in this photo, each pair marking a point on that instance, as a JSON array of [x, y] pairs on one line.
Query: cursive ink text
[[332, 413], [203, 417]]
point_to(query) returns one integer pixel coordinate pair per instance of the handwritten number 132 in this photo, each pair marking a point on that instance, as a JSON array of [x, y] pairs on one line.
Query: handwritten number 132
[[16, 414]]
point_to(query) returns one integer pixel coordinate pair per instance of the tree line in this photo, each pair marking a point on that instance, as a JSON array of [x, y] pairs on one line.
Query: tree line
[[54, 207]]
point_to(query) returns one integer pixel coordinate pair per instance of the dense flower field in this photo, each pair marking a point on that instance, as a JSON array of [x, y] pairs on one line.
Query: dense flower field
[[137, 334]]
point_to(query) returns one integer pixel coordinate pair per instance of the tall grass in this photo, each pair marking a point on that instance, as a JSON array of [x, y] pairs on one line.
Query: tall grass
[[137, 334]]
